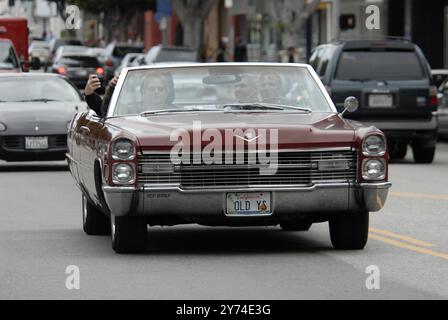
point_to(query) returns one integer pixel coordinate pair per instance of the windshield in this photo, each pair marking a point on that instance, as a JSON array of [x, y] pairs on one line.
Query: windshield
[[7, 57], [79, 61], [15, 89], [215, 87], [379, 65]]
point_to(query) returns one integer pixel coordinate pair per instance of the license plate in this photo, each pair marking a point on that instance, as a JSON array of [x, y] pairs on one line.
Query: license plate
[[380, 100], [248, 204], [33, 143], [81, 73]]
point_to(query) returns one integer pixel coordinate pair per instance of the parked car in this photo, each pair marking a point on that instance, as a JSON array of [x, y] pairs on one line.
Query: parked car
[[9, 61], [439, 76], [35, 111], [442, 112], [39, 49], [132, 173], [159, 53], [56, 43], [114, 54], [77, 67], [127, 61], [392, 81]]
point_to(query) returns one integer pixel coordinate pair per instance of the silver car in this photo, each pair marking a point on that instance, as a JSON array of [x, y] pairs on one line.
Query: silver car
[[35, 111]]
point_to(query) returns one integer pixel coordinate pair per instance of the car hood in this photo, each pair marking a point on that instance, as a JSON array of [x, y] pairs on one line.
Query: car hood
[[50, 117], [295, 129]]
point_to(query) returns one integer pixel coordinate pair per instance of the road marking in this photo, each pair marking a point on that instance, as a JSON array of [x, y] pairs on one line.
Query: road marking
[[420, 196], [409, 246], [402, 237]]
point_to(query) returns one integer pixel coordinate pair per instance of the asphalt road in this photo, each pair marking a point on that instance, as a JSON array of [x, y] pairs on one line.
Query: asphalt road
[[40, 235]]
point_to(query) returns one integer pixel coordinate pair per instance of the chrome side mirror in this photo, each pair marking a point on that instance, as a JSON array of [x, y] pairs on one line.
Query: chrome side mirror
[[351, 104]]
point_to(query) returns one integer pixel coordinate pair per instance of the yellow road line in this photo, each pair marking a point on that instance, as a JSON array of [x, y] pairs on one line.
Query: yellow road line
[[409, 247], [402, 237], [419, 196]]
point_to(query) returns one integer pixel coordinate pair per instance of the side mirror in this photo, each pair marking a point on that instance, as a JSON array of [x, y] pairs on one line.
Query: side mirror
[[35, 63], [351, 104]]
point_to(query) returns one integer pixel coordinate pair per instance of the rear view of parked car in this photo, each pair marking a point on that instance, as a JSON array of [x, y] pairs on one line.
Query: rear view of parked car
[[78, 67], [114, 54], [39, 49], [392, 81]]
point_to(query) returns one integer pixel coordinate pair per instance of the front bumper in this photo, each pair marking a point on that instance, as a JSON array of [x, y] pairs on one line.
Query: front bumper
[[286, 202]]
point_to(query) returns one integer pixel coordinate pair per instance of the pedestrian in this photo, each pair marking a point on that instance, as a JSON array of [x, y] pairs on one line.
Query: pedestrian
[[93, 99], [240, 52], [291, 55], [221, 57]]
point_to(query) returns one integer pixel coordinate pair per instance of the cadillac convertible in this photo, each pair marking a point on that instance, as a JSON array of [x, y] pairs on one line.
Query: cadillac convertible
[[231, 144]]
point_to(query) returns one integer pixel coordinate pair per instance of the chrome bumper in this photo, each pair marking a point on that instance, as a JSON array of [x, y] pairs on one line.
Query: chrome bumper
[[319, 198]]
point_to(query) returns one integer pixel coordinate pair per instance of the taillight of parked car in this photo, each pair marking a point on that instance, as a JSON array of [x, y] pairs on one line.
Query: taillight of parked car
[[374, 158], [100, 71], [109, 63], [433, 100], [61, 70]]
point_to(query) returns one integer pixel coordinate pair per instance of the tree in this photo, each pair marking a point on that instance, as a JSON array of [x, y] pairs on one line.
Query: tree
[[291, 16], [117, 13], [191, 14]]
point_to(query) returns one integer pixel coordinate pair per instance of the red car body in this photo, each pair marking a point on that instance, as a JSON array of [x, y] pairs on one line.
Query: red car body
[[300, 196]]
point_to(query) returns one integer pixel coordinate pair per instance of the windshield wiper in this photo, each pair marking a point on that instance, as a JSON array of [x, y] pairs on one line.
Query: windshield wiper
[[38, 100], [265, 106], [174, 110]]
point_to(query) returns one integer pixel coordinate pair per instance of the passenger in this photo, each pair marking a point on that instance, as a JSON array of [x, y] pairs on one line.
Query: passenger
[[94, 101], [270, 87], [246, 91]]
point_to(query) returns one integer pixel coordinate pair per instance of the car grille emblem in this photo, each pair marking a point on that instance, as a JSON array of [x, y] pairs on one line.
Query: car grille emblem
[[36, 128], [249, 137]]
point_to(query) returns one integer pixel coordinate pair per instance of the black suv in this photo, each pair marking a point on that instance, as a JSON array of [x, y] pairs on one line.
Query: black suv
[[392, 81]]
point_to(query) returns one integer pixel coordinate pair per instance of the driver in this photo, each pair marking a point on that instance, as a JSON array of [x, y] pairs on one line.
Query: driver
[[246, 90], [270, 87]]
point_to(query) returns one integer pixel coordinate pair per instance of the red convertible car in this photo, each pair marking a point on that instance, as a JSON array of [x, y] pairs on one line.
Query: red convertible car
[[252, 144]]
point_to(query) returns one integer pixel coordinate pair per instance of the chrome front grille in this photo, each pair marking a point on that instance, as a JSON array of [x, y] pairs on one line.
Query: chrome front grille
[[294, 168]]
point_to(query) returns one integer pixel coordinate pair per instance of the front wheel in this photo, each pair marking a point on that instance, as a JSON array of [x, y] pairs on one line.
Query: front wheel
[[423, 155], [350, 232], [129, 234], [94, 222]]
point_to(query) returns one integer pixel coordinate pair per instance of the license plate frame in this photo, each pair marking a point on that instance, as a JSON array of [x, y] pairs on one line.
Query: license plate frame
[[383, 100], [36, 143], [242, 210]]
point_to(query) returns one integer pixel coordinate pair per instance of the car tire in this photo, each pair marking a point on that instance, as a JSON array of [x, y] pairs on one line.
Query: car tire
[[423, 155], [95, 223], [295, 226], [400, 150], [129, 234], [350, 232]]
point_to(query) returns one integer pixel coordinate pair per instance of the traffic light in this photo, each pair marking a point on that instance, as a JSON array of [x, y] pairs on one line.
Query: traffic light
[[347, 21]]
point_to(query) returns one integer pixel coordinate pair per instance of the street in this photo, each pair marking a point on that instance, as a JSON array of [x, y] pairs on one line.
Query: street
[[41, 234]]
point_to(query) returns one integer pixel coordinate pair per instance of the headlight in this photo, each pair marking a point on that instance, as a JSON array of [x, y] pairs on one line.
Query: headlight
[[123, 149], [374, 169], [123, 173], [374, 145], [2, 127]]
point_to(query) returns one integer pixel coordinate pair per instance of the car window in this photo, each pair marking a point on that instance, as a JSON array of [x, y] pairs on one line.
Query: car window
[[379, 65], [13, 89], [212, 86], [79, 61], [121, 51], [8, 58]]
